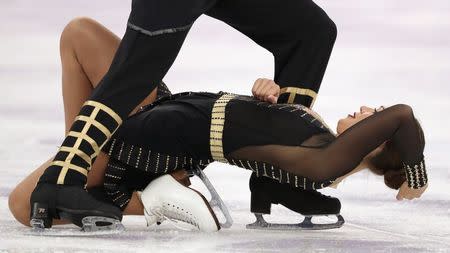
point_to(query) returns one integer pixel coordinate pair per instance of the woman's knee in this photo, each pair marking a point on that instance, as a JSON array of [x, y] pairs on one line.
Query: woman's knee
[[19, 206], [74, 29]]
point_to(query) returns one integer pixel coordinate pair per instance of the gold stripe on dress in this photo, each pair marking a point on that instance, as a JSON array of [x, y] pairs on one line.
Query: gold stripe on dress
[[294, 91], [217, 125]]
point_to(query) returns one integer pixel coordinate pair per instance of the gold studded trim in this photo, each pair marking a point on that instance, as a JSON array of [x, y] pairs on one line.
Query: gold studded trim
[[217, 125], [294, 91]]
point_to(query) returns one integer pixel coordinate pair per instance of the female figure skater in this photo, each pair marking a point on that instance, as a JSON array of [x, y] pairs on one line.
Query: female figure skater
[[302, 151]]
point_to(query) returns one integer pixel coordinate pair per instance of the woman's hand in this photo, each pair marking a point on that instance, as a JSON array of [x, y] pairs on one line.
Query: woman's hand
[[266, 90], [409, 193]]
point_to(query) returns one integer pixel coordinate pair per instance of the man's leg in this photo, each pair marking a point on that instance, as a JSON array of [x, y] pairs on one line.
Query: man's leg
[[298, 33], [153, 38], [301, 36], [87, 49]]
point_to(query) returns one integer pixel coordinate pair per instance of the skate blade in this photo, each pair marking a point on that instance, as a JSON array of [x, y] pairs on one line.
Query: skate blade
[[92, 226], [215, 201], [307, 224]]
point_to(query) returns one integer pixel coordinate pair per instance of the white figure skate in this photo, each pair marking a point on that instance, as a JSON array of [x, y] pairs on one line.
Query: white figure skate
[[167, 199]]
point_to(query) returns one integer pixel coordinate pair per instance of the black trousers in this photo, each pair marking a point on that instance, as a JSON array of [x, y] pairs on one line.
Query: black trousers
[[298, 33]]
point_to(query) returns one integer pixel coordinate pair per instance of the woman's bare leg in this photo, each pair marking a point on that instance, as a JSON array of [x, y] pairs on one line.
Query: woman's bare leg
[[87, 49]]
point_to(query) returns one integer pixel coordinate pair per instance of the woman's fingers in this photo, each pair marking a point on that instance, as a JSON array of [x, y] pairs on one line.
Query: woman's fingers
[[409, 193], [408, 197]]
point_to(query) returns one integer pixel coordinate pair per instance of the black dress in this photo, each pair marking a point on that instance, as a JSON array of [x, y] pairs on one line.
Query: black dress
[[285, 142]]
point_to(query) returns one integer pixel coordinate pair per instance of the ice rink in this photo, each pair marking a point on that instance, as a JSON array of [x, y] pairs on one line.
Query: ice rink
[[387, 52]]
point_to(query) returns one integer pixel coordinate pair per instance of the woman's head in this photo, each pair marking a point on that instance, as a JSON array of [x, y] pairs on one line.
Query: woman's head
[[352, 119], [385, 160]]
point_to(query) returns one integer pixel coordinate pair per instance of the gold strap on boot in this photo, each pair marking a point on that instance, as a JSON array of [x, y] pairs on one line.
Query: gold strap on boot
[[217, 124], [90, 122], [294, 91]]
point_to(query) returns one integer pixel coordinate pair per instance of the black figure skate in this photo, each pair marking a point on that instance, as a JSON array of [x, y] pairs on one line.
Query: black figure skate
[[59, 193], [72, 203], [309, 203]]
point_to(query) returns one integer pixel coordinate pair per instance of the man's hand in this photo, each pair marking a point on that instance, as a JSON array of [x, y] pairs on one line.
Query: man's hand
[[266, 90], [409, 193]]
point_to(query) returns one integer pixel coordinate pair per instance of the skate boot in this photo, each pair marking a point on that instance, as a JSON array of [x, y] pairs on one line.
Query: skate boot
[[72, 203], [309, 203], [60, 192], [167, 199]]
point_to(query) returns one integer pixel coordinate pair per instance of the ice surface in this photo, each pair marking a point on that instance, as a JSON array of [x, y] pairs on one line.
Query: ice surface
[[387, 52]]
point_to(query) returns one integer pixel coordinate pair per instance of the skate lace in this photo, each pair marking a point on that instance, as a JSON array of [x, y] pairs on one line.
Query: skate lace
[[174, 214]]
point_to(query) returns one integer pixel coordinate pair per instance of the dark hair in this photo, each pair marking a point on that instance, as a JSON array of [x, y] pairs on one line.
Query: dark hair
[[388, 163]]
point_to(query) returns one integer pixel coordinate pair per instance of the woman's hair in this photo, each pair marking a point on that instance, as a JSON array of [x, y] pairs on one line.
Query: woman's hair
[[388, 163]]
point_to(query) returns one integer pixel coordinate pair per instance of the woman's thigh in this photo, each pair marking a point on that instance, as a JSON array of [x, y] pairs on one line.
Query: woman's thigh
[[93, 44], [93, 48]]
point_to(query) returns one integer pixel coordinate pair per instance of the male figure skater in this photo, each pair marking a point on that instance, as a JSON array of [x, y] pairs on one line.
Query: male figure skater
[[297, 32]]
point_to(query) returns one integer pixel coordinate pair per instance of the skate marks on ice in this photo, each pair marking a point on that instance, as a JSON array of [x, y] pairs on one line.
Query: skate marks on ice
[[364, 231], [428, 238]]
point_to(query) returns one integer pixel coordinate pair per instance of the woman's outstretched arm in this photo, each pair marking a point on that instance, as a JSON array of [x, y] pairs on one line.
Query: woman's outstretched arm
[[396, 123], [346, 152]]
